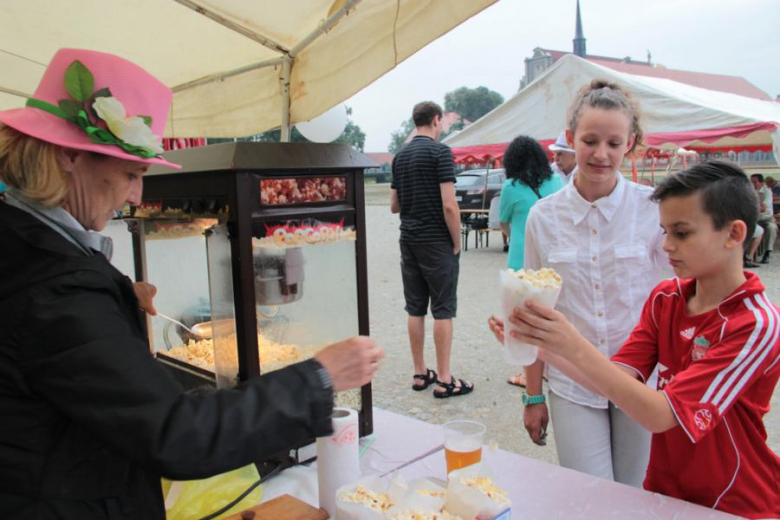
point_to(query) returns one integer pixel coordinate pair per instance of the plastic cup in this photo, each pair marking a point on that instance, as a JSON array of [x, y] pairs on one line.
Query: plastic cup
[[462, 443]]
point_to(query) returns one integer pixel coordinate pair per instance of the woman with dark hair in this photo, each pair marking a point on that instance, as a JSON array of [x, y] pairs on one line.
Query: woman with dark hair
[[528, 179]]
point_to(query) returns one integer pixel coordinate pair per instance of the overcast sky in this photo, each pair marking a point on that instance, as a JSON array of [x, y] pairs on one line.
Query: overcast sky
[[735, 37]]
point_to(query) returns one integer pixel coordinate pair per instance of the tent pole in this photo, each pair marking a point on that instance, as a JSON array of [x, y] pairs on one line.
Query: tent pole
[[324, 27], [274, 62], [286, 70], [487, 174]]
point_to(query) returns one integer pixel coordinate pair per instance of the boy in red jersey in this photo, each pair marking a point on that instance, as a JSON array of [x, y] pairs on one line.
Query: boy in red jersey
[[712, 333]]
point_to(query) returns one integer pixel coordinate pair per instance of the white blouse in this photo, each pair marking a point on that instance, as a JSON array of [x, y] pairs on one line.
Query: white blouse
[[609, 254]]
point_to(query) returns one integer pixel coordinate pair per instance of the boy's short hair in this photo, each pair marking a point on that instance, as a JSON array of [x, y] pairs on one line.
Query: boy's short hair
[[758, 176], [726, 193], [424, 113]]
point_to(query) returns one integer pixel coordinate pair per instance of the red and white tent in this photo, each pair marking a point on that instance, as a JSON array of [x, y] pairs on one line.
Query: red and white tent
[[674, 114]]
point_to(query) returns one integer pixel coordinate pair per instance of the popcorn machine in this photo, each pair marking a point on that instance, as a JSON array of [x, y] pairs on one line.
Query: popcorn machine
[[259, 251]]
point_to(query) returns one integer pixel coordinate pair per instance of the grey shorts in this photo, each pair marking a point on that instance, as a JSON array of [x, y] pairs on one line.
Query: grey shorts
[[430, 274]]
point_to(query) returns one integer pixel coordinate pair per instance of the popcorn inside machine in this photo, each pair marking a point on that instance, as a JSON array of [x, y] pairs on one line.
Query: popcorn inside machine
[[259, 250]]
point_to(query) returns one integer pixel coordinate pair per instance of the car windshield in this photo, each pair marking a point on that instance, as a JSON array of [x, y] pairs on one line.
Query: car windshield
[[464, 181], [496, 179]]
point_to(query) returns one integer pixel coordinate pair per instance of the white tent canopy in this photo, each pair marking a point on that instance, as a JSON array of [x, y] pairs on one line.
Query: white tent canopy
[[673, 114], [237, 67]]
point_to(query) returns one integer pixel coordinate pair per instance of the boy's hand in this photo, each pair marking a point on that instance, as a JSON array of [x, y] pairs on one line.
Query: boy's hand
[[535, 419], [546, 328]]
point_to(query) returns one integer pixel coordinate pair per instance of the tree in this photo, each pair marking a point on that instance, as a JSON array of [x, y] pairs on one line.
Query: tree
[[352, 135], [472, 103], [454, 127], [398, 137]]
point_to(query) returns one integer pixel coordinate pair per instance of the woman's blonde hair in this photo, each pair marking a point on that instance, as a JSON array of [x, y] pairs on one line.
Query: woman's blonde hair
[[602, 94], [31, 166]]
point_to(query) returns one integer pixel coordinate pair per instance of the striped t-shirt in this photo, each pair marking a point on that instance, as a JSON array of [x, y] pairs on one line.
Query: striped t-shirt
[[418, 171]]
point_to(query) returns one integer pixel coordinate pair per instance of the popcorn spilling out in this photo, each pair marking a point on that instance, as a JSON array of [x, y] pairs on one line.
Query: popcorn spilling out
[[486, 486], [379, 502], [517, 288], [544, 278]]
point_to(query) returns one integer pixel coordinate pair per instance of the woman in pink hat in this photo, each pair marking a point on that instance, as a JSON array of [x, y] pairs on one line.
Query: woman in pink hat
[[91, 421]]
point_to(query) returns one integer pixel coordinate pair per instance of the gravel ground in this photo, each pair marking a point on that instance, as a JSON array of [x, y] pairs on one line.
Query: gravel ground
[[476, 354]]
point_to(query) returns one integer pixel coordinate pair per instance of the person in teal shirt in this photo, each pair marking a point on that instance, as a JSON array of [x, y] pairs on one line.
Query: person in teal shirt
[[528, 179]]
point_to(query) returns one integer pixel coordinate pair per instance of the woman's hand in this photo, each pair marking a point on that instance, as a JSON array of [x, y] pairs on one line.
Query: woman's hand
[[497, 328], [145, 293], [546, 328], [535, 419], [351, 363]]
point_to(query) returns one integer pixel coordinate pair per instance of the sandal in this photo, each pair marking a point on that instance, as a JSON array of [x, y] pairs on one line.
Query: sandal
[[518, 380], [451, 390], [428, 378]]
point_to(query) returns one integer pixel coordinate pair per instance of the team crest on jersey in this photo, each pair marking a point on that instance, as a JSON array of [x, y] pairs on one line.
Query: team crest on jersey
[[703, 419], [688, 333], [700, 346]]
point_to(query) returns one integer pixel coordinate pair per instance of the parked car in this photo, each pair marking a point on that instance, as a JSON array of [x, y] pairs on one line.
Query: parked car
[[470, 188]]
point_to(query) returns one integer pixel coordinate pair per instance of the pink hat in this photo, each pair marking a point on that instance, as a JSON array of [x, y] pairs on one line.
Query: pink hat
[[97, 102]]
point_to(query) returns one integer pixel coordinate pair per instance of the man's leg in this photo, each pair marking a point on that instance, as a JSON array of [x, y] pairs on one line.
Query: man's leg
[[754, 243], [416, 296], [771, 228], [416, 325], [442, 338], [441, 270]]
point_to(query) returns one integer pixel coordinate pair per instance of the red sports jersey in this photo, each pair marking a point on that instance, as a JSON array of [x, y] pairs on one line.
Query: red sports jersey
[[718, 371]]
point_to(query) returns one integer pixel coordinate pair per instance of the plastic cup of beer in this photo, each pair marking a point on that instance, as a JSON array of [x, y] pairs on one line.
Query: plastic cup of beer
[[462, 443]]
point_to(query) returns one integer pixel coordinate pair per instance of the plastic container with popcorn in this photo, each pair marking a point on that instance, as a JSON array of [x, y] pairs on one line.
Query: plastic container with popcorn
[[473, 492], [517, 287]]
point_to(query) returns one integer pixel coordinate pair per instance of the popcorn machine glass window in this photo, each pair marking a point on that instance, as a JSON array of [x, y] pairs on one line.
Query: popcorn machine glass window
[[262, 254]]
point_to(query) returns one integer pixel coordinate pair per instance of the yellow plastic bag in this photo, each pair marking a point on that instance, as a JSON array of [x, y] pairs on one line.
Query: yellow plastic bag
[[195, 499]]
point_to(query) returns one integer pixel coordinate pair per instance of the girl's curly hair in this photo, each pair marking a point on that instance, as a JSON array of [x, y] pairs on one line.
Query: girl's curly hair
[[526, 161]]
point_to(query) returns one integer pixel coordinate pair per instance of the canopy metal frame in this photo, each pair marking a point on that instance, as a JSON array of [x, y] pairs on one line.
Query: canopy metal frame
[[286, 59]]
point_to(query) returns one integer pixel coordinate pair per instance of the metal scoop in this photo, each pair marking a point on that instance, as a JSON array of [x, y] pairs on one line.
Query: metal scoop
[[195, 331]]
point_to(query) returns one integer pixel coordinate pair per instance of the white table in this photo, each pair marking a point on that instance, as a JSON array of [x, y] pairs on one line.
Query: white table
[[538, 490]]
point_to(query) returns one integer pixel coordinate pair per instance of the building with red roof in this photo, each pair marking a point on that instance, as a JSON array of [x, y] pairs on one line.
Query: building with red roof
[[543, 59]]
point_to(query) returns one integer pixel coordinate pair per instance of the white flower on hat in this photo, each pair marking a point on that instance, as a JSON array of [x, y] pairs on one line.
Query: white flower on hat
[[132, 130]]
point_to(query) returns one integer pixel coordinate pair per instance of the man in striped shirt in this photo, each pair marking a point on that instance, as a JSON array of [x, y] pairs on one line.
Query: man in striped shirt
[[423, 192]]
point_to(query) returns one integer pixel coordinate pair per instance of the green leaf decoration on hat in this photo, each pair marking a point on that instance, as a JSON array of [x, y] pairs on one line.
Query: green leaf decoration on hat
[[80, 111], [79, 81], [69, 108]]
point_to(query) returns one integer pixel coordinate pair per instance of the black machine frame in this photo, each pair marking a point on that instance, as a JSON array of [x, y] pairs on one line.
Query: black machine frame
[[223, 181]]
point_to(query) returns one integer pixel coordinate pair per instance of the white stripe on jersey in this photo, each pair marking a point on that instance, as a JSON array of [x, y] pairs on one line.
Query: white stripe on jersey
[[760, 354], [736, 470], [740, 357], [652, 307]]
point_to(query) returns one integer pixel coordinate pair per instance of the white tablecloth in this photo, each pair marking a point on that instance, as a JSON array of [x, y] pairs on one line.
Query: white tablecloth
[[538, 490]]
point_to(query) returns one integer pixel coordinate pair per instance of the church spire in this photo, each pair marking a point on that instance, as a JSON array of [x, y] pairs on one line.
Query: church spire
[[579, 37]]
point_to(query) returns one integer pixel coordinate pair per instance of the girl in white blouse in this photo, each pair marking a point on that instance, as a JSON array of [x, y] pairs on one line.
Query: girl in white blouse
[[601, 233]]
